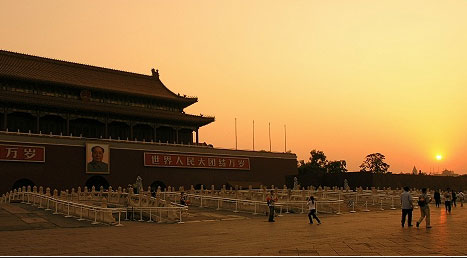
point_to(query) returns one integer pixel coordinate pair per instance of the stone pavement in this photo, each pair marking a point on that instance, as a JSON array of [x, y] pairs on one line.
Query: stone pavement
[[26, 230]]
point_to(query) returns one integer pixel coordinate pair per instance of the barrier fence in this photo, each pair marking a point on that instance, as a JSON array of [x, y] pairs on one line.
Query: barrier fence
[[334, 202], [96, 214], [111, 207]]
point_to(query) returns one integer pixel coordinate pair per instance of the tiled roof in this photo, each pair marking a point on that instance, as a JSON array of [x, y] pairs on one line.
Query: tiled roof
[[62, 72]]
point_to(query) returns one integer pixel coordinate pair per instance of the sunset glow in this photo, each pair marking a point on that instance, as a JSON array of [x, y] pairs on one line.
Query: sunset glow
[[349, 78]]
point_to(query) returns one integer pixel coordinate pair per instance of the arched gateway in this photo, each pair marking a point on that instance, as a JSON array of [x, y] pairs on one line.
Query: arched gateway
[[97, 182], [22, 182]]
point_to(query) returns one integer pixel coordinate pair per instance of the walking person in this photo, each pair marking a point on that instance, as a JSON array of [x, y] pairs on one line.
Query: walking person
[[461, 198], [183, 199], [312, 210], [407, 206], [447, 200], [423, 201], [437, 197], [454, 198], [271, 199]]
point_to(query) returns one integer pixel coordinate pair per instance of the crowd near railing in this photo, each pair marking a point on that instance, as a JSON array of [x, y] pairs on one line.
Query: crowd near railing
[[329, 200], [163, 206]]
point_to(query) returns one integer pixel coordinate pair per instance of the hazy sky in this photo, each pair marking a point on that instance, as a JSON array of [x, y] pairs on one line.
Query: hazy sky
[[348, 77]]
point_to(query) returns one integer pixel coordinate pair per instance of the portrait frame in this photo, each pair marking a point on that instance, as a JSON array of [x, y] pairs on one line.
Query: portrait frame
[[101, 167]]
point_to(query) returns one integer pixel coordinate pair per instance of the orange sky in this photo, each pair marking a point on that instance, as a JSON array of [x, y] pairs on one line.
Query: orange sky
[[349, 78]]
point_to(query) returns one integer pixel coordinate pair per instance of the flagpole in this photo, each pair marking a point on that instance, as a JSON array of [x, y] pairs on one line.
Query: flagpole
[[235, 133], [253, 134], [285, 139], [269, 136]]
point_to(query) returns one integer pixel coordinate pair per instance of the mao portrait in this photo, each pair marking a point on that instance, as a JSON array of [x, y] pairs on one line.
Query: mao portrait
[[97, 158]]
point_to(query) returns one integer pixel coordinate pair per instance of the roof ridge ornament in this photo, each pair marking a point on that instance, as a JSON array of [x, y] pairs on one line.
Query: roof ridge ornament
[[155, 73]]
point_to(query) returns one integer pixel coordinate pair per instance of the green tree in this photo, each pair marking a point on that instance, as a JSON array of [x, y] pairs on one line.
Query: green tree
[[316, 163], [319, 164], [318, 159], [374, 163], [336, 166]]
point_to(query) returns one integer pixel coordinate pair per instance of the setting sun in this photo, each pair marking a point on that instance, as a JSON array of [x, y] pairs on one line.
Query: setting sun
[[281, 66]]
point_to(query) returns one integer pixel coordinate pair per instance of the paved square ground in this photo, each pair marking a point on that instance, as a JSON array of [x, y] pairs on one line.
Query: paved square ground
[[26, 230]]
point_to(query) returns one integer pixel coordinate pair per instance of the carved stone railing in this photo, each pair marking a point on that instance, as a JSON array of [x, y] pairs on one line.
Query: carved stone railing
[[163, 205], [332, 200], [109, 207]]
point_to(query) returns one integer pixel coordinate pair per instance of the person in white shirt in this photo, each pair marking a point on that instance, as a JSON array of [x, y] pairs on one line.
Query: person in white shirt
[[407, 206], [461, 198], [312, 208]]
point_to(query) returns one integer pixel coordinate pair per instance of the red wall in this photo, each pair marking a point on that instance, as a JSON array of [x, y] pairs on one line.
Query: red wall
[[65, 165]]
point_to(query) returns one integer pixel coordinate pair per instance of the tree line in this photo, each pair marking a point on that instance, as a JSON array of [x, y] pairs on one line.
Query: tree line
[[318, 163]]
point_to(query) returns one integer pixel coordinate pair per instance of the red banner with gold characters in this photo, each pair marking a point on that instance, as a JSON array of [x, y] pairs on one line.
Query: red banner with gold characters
[[22, 153], [153, 159]]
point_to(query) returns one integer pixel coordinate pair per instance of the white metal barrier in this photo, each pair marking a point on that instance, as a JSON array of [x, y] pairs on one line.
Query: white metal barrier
[[94, 213]]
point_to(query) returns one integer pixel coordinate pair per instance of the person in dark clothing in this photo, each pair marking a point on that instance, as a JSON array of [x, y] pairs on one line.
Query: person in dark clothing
[[271, 199], [183, 199], [437, 197], [447, 200]]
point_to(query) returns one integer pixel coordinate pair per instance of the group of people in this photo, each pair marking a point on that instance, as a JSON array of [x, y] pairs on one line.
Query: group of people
[[272, 198], [450, 198]]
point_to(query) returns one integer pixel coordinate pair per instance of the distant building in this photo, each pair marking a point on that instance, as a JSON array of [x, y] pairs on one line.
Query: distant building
[[414, 170], [448, 173]]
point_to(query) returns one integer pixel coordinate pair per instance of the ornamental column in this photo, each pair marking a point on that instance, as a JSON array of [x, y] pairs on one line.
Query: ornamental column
[[38, 128], [106, 133], [68, 124], [155, 132], [197, 134], [176, 134], [5, 118]]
